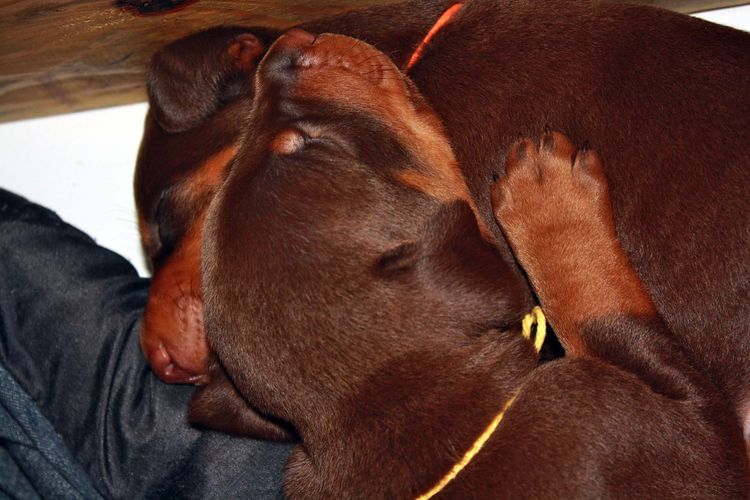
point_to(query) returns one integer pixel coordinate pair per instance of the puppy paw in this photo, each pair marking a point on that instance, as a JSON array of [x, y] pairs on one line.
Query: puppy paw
[[554, 208], [550, 195]]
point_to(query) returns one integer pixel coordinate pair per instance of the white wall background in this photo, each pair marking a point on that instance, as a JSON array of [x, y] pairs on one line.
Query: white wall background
[[81, 165]]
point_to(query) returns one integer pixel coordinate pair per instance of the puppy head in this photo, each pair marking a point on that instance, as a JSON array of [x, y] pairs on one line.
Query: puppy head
[[344, 237], [200, 89]]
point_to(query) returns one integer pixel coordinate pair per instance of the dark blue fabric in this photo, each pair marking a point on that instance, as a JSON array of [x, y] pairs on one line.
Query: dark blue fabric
[[34, 460], [69, 316]]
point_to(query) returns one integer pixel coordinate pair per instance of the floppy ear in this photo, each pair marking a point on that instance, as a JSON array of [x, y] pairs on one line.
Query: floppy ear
[[481, 279], [453, 233], [220, 407], [191, 78], [454, 245]]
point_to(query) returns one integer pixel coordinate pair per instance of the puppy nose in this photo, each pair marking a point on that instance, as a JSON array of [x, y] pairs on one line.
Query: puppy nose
[[296, 38], [282, 59]]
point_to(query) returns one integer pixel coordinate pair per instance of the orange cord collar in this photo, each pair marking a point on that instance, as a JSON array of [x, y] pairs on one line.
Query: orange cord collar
[[439, 24]]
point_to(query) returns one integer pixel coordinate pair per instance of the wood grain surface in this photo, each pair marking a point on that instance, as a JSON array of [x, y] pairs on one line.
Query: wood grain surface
[[59, 56]]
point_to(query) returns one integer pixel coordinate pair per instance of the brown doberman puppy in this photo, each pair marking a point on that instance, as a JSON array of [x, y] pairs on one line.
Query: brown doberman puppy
[[353, 291], [190, 136], [664, 98], [200, 89]]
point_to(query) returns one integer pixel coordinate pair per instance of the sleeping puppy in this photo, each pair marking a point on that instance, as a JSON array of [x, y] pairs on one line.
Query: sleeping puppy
[[200, 89], [353, 291], [190, 136], [664, 98]]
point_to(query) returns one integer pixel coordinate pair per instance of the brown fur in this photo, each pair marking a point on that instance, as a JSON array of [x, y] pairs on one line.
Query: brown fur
[[200, 89], [191, 136], [662, 98], [373, 318], [638, 82], [564, 236]]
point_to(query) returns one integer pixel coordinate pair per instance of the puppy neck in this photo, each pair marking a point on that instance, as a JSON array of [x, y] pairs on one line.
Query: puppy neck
[[401, 432]]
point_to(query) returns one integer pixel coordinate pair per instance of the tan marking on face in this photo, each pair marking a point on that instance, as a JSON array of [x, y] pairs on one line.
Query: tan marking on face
[[173, 319], [174, 313], [147, 239], [210, 174], [357, 76], [190, 192], [287, 142]]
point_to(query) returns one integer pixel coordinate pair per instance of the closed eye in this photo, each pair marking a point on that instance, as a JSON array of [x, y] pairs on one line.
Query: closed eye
[[166, 230], [329, 139]]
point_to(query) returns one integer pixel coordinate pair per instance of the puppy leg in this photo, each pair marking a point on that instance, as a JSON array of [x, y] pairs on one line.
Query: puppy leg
[[554, 208]]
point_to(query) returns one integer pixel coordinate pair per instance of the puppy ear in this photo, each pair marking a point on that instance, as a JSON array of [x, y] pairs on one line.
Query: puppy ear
[[482, 276], [454, 228], [191, 78], [220, 407]]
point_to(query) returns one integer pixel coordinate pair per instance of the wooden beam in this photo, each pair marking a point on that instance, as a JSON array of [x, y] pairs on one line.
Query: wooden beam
[[61, 56]]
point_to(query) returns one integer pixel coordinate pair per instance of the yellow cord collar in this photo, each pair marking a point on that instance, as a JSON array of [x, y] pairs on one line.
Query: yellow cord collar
[[535, 317]]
